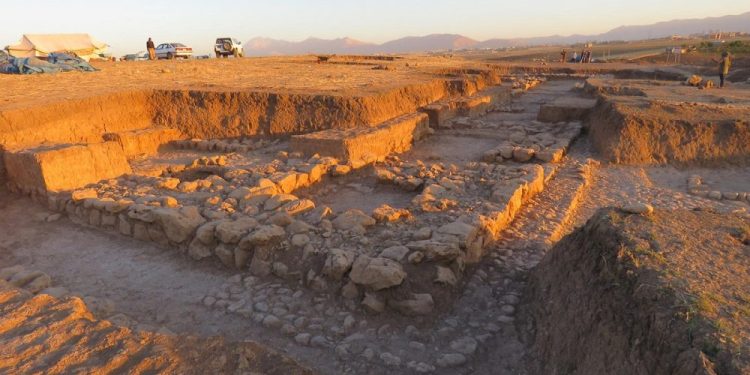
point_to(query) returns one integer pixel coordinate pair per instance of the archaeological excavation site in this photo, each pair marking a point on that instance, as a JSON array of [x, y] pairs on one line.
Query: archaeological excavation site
[[416, 214]]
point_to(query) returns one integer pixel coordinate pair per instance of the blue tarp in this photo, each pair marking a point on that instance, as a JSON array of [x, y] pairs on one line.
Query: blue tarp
[[56, 62]]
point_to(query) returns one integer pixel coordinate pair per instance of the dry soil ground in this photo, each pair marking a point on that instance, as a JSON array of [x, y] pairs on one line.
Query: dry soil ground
[[147, 288]]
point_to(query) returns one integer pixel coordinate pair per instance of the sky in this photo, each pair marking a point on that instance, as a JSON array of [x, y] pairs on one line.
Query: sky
[[126, 24]]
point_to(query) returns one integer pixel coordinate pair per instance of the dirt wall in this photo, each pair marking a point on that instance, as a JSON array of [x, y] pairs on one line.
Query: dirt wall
[[214, 114], [221, 114], [65, 167], [74, 121], [207, 114], [663, 133], [593, 307]]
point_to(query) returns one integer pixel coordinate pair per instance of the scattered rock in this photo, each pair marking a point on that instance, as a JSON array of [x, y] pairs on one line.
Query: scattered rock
[[233, 231], [420, 304], [523, 155], [390, 359], [338, 262], [638, 208], [396, 253], [271, 321], [451, 360], [350, 291], [386, 213], [373, 303], [351, 219], [464, 345], [263, 235], [179, 224], [377, 273], [303, 339], [445, 276]]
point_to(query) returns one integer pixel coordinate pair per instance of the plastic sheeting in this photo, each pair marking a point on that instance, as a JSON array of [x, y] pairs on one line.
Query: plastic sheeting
[[57, 62]]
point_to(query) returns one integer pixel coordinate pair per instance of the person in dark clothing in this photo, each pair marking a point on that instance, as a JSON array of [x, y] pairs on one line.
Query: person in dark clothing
[[151, 49], [724, 64]]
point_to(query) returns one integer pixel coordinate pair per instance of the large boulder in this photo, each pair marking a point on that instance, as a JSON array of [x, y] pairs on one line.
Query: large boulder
[[233, 231], [299, 206], [466, 233], [278, 200], [263, 235], [386, 213], [352, 219], [179, 224], [338, 263], [377, 273]]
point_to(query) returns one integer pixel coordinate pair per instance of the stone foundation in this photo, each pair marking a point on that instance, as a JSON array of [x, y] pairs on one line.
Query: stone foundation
[[364, 145], [144, 141], [445, 110], [565, 109]]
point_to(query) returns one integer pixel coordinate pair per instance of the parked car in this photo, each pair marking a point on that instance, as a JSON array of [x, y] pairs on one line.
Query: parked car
[[225, 47], [173, 50], [140, 56]]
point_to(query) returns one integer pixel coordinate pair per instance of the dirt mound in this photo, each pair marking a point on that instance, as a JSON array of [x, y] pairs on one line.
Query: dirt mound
[[43, 334], [634, 294], [640, 122]]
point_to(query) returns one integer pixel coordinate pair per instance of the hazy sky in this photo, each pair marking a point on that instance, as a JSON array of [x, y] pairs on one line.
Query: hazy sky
[[125, 24]]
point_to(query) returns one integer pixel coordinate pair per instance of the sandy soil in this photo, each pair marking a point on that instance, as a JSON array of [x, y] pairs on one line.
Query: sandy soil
[[301, 75]]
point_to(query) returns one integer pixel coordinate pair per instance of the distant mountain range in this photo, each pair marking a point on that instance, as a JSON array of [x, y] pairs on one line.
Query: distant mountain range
[[446, 42]]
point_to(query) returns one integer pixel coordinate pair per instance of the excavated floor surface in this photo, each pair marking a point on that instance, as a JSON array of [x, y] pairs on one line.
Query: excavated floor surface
[[147, 288]]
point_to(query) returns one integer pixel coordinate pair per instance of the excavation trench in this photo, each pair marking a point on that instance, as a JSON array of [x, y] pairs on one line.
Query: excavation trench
[[280, 309]]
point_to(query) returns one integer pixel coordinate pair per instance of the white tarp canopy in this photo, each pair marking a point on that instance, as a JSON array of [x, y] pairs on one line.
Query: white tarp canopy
[[41, 45]]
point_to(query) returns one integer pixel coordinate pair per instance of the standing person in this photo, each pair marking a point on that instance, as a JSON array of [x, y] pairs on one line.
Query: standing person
[[724, 64], [562, 55], [151, 49]]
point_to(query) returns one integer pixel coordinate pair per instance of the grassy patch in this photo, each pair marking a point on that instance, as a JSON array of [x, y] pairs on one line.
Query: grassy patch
[[651, 254], [704, 305]]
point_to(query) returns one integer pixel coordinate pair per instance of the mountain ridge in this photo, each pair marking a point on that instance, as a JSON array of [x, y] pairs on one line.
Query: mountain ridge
[[262, 46]]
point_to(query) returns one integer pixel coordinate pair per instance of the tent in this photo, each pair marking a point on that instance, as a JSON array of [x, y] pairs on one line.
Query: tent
[[41, 45]]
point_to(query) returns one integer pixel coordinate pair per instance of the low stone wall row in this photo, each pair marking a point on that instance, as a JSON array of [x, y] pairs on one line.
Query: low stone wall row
[[549, 147], [223, 145], [697, 187], [365, 145], [284, 231], [442, 112], [566, 109]]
